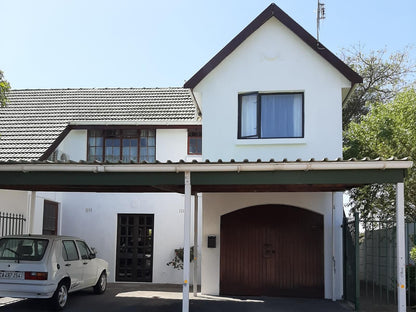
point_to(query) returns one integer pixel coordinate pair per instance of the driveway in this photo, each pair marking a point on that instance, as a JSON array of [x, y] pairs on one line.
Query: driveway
[[167, 298]]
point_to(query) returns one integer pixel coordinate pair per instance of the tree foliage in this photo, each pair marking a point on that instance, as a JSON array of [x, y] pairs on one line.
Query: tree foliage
[[389, 129], [383, 77], [4, 88]]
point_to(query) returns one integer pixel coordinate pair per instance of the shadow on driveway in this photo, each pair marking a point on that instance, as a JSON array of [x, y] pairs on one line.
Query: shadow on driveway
[[167, 298]]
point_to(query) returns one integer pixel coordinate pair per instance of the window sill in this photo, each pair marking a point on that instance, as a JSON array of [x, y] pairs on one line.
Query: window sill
[[245, 142]]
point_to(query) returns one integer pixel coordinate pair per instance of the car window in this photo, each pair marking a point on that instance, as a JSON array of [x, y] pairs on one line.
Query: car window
[[22, 248], [69, 250], [83, 249]]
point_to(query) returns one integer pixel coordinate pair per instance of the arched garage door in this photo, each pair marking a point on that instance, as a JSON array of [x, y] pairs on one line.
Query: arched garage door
[[272, 250]]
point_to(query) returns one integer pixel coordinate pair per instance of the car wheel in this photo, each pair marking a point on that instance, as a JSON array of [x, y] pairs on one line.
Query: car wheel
[[60, 297], [101, 285]]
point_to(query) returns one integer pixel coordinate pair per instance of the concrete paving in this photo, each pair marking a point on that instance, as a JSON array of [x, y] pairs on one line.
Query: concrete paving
[[128, 297]]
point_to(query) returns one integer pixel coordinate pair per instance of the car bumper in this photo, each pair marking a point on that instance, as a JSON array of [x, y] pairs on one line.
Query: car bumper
[[27, 290]]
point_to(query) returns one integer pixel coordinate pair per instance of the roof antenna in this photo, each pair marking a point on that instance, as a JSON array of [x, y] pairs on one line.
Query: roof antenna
[[320, 15]]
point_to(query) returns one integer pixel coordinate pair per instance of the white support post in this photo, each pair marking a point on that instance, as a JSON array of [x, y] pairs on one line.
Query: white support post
[[400, 236], [186, 242], [31, 212], [195, 276], [333, 271]]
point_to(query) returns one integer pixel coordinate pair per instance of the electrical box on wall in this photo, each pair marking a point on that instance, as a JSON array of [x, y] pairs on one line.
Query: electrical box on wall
[[212, 241]]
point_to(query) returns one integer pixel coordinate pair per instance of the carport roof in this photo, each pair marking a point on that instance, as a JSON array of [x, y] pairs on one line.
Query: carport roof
[[220, 176]]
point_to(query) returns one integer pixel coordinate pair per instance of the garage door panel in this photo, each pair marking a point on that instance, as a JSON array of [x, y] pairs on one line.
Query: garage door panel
[[272, 250]]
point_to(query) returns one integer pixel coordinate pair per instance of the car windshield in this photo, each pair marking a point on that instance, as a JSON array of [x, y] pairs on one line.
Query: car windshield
[[30, 249]]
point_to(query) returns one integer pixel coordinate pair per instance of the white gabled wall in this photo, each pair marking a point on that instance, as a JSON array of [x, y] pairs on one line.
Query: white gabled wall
[[272, 59], [74, 145]]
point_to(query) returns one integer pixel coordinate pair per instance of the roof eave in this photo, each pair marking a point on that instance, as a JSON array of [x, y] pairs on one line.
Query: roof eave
[[270, 11]]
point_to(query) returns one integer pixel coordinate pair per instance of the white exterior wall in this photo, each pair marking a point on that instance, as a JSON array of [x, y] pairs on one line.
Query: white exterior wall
[[93, 216], [17, 202], [14, 201], [216, 205], [272, 59], [74, 145]]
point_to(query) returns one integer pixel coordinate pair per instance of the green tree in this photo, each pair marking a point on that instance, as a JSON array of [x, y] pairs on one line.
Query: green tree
[[4, 88], [383, 77], [389, 129]]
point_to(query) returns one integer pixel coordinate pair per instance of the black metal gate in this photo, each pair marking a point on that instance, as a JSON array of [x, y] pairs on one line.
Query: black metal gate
[[351, 261], [135, 247], [11, 223]]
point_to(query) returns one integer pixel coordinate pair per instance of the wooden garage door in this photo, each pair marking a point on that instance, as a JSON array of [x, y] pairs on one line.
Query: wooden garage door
[[272, 250]]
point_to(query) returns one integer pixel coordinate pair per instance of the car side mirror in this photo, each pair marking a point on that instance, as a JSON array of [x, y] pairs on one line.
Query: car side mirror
[[94, 253]]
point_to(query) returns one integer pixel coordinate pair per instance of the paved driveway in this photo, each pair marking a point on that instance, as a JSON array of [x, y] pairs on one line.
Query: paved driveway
[[167, 298]]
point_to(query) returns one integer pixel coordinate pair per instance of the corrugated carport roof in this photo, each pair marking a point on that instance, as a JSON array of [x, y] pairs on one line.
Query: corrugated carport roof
[[260, 176]]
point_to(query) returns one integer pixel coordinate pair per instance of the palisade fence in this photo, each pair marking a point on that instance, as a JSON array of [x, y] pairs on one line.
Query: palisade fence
[[11, 223], [370, 274]]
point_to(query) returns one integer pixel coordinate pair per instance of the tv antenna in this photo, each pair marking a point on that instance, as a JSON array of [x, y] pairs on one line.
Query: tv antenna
[[320, 15]]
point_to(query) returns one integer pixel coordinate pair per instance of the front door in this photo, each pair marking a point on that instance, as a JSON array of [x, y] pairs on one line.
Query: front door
[[272, 250], [135, 247], [50, 218]]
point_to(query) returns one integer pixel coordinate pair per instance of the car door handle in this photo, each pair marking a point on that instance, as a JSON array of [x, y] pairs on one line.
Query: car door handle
[[85, 263], [68, 264]]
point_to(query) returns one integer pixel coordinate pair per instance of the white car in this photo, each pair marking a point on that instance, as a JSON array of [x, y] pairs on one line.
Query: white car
[[41, 266]]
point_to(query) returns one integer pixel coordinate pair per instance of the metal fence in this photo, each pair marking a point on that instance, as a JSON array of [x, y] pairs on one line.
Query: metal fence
[[370, 274], [351, 254], [11, 223]]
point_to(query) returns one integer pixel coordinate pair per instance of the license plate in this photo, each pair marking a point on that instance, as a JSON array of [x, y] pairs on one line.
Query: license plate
[[12, 275]]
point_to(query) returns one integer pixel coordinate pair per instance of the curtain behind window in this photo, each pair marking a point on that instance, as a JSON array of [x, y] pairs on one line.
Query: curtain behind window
[[249, 115], [281, 116]]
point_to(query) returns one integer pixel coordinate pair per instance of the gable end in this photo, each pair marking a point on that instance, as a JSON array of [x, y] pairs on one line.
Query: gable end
[[270, 11]]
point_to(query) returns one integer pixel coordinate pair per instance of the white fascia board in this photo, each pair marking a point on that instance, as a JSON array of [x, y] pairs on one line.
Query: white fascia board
[[207, 167], [136, 123]]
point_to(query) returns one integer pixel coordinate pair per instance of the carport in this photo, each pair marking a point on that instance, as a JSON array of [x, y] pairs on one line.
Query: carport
[[218, 177]]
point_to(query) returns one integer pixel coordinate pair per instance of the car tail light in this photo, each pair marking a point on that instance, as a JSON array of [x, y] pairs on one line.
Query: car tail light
[[39, 276]]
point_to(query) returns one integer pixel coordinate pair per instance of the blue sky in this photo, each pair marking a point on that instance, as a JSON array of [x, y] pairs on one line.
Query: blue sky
[[135, 43]]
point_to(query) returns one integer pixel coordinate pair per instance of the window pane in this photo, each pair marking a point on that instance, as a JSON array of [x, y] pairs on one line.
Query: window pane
[[248, 115], [70, 250], [151, 141], [281, 116], [195, 145], [95, 145]]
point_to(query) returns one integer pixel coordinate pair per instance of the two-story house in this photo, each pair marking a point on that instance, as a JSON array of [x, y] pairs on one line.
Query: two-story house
[[267, 109]]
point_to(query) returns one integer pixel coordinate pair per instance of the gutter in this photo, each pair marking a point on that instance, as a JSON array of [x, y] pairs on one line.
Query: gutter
[[204, 167]]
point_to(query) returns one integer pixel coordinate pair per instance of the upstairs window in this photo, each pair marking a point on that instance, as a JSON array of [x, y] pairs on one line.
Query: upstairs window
[[194, 142], [270, 115], [122, 145]]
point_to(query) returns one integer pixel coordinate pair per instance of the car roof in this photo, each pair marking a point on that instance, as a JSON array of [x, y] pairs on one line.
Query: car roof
[[39, 236]]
